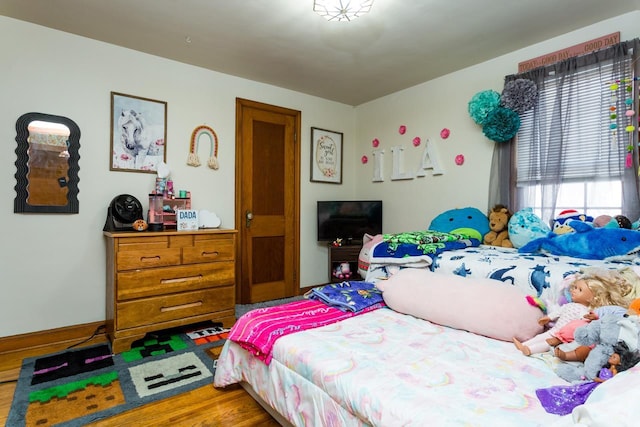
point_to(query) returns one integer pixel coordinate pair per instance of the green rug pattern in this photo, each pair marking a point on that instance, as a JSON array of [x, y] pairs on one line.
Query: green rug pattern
[[76, 387]]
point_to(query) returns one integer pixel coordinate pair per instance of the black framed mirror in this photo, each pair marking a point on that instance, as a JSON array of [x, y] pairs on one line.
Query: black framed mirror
[[47, 164]]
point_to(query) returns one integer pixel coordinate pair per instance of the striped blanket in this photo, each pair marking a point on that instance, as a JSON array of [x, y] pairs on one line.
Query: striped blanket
[[258, 330]]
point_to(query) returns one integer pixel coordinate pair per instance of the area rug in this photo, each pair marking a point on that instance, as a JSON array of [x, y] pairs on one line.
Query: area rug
[[78, 386]]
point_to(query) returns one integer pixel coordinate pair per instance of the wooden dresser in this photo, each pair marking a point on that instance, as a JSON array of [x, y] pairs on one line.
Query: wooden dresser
[[160, 280]]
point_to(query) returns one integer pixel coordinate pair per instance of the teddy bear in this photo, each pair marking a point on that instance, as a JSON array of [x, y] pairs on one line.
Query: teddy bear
[[604, 333], [498, 234]]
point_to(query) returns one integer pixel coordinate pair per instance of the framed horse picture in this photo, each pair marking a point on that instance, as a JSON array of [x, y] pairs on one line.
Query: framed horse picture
[[138, 133]]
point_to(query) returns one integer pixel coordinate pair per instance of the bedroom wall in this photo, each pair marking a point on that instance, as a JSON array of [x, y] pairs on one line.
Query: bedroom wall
[[52, 271], [427, 108], [52, 267]]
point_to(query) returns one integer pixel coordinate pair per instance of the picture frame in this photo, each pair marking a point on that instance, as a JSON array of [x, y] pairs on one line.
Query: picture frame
[[138, 133], [326, 156]]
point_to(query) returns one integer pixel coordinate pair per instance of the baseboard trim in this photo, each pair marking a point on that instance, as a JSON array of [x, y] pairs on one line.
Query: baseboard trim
[[16, 347], [307, 289]]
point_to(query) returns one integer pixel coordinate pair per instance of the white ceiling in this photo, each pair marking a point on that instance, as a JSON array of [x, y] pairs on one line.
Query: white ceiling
[[399, 44]]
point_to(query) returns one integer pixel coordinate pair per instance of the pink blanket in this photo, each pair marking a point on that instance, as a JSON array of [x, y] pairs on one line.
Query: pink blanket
[[258, 330]]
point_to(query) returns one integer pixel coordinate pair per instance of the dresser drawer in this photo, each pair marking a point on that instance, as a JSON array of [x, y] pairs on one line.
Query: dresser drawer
[[209, 251], [131, 260], [147, 311], [166, 280]]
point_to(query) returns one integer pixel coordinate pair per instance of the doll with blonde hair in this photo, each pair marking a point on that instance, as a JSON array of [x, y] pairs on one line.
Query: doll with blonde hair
[[591, 290]]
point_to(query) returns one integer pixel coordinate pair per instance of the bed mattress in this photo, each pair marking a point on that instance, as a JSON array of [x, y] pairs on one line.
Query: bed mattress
[[384, 368]]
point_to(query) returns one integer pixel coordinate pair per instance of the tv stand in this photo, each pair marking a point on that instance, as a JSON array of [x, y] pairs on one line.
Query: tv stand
[[345, 253]]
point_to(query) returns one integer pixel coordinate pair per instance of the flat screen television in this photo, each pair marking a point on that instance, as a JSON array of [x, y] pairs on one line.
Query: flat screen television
[[348, 220]]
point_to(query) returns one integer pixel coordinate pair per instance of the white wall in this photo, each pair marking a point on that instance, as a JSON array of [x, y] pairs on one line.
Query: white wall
[[442, 103], [52, 267]]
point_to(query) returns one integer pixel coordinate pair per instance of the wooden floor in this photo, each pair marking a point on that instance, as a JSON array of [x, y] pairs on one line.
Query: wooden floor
[[206, 406]]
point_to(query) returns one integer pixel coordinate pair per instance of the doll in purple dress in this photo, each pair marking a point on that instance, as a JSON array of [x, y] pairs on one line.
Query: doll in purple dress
[[561, 399]]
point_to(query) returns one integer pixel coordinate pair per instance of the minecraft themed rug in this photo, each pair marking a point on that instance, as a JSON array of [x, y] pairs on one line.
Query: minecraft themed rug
[[78, 386]]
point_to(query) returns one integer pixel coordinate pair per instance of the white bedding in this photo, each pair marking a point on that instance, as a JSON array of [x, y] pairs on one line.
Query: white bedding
[[536, 274], [389, 369]]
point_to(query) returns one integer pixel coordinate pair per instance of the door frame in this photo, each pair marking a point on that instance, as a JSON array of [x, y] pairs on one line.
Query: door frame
[[242, 103]]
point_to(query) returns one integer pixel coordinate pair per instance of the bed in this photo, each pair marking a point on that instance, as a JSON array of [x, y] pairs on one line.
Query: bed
[[383, 367]]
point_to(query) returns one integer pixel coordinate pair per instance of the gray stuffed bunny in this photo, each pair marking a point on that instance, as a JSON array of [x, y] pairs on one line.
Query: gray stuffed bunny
[[604, 333]]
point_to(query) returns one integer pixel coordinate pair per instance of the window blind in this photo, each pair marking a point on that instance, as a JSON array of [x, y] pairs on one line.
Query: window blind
[[574, 114]]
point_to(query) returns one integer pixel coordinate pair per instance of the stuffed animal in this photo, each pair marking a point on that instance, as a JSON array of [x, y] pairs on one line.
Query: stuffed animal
[[618, 221], [562, 223], [525, 226], [604, 333], [469, 221], [498, 224], [588, 242], [342, 271], [369, 242]]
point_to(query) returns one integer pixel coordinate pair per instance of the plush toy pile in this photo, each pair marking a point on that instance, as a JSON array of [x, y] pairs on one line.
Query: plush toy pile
[[572, 233]]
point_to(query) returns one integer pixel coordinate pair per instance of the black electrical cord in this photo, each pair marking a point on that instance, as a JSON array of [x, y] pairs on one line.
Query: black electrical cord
[[99, 329]]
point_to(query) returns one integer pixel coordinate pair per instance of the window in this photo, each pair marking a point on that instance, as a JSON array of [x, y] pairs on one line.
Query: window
[[570, 153], [591, 198]]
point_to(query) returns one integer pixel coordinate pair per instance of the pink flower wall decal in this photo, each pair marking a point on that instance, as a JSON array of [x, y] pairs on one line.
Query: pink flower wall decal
[[444, 133], [375, 142], [416, 141], [402, 129], [364, 160], [459, 160]]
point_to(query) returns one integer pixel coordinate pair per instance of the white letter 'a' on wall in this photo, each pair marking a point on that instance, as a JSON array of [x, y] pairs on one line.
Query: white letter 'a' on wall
[[398, 172], [430, 160], [378, 157]]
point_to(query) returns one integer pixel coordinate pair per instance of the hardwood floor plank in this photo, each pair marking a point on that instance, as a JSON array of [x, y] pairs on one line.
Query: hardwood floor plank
[[205, 406], [6, 398]]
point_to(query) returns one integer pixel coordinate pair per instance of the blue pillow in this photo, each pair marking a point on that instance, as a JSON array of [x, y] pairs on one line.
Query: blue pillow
[[462, 220]]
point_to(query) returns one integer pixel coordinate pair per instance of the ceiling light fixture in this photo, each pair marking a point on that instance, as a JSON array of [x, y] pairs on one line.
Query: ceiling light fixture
[[341, 10]]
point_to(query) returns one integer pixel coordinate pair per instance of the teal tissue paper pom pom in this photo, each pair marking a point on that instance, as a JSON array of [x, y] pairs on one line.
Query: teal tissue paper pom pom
[[482, 103], [501, 124]]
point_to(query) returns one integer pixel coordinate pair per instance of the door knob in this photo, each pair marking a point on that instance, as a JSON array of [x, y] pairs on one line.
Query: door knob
[[249, 217]]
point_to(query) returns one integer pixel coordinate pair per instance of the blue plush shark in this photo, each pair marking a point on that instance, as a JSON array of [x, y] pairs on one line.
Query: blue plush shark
[[588, 242]]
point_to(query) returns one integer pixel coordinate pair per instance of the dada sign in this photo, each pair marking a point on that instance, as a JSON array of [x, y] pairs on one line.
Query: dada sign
[[187, 219]]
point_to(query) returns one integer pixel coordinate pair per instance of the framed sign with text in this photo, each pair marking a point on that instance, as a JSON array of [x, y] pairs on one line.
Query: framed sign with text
[[326, 156]]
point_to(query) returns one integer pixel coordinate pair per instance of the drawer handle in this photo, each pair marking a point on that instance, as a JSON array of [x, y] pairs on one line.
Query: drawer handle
[[180, 279], [180, 307], [150, 258], [214, 253]]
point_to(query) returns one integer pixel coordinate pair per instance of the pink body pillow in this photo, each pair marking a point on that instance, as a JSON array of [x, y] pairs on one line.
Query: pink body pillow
[[483, 306]]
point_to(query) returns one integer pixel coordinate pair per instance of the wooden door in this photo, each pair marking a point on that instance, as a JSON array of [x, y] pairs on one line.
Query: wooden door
[[267, 201]]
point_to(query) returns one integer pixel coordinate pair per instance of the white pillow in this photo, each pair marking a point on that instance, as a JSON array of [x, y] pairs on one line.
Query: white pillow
[[487, 307]]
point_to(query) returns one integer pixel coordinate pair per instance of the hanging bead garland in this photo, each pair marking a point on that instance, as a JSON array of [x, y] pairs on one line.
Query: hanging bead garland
[[630, 114], [613, 115]]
